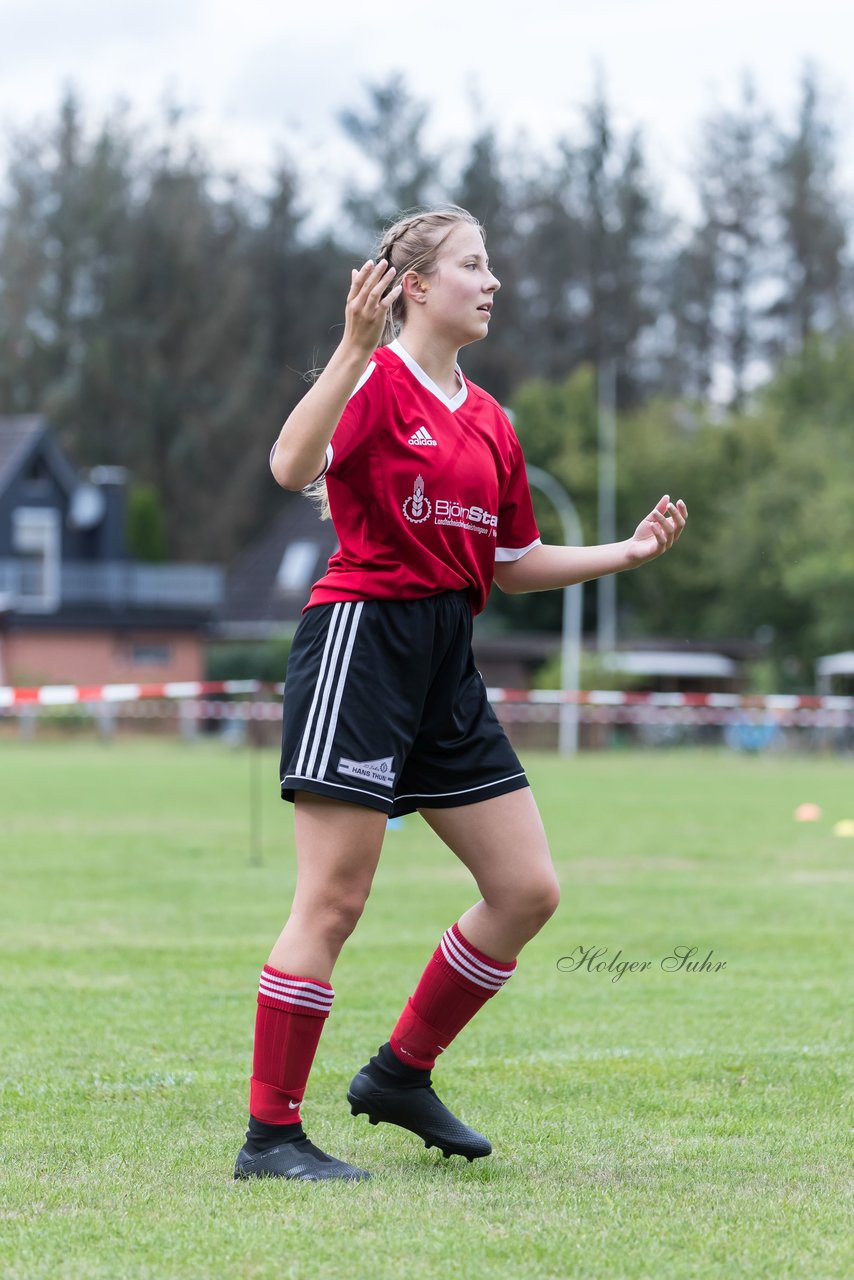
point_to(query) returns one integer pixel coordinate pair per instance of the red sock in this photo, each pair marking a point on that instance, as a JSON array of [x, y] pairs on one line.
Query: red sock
[[290, 1017], [457, 981]]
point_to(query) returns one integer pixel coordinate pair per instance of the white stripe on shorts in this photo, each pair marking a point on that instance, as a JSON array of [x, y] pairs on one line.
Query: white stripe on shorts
[[328, 682], [331, 679], [339, 692], [330, 635], [334, 678]]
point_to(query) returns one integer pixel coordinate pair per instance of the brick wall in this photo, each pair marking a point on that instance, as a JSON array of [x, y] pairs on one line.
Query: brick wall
[[101, 657]]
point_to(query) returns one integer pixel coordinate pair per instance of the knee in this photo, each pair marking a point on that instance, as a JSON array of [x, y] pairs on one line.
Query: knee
[[542, 900], [336, 915], [532, 904]]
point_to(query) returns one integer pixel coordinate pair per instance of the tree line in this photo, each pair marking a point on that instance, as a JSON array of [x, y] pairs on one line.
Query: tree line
[[768, 556], [165, 315]]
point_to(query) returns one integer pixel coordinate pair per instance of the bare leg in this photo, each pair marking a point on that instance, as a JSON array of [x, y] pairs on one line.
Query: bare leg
[[504, 845], [338, 848]]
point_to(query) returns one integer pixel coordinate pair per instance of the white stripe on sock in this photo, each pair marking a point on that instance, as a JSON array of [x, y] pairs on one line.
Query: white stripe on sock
[[288, 980], [306, 994], [303, 1004], [285, 994], [461, 950], [308, 985], [467, 971]]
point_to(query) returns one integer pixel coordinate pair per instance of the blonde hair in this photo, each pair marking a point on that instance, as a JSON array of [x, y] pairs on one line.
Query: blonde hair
[[412, 243]]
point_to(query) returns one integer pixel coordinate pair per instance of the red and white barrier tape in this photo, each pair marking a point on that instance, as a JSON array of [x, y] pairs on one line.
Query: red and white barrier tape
[[62, 695], [56, 695], [625, 698], [511, 713]]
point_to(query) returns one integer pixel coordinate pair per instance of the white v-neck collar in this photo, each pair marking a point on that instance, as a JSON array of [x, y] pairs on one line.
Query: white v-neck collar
[[452, 403]]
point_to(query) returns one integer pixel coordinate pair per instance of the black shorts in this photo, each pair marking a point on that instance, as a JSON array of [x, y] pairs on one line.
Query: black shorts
[[384, 707]]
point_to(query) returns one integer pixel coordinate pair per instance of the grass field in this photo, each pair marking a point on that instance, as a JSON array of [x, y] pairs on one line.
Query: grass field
[[667, 1124]]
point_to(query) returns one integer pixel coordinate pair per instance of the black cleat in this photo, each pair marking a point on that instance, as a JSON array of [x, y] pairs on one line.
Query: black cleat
[[416, 1109], [302, 1161]]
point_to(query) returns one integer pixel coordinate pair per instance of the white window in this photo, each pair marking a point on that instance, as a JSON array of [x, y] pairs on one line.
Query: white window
[[151, 655], [297, 567], [36, 546]]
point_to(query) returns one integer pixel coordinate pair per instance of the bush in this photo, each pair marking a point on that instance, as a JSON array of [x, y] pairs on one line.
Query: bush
[[594, 675], [263, 660]]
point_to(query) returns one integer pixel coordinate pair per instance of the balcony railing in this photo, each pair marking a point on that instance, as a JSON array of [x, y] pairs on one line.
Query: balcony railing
[[28, 587]]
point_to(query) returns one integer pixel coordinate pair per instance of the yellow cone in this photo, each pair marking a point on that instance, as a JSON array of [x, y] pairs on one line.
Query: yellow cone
[[844, 828]]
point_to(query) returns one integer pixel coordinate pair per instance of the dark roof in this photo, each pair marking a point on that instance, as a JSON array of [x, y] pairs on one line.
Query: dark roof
[[255, 602], [20, 437], [739, 650], [530, 647]]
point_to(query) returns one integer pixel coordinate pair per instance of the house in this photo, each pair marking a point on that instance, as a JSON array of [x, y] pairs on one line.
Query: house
[[835, 674], [658, 668], [268, 585], [75, 608]]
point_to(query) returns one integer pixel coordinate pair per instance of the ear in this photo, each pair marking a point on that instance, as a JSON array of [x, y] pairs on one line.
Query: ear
[[415, 287]]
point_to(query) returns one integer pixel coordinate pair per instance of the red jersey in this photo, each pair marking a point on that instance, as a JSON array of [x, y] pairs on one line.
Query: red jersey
[[426, 492]]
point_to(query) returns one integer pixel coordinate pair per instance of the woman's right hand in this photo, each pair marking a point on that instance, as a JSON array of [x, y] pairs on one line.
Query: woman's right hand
[[299, 455], [367, 308]]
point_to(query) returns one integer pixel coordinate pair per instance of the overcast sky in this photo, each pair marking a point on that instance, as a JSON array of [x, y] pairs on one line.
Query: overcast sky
[[261, 76]]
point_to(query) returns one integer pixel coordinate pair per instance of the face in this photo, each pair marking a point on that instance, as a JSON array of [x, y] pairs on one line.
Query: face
[[458, 296]]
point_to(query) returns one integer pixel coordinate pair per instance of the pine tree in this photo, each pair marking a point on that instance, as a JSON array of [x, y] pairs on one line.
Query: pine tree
[[389, 132], [813, 231], [735, 239], [485, 190], [592, 256]]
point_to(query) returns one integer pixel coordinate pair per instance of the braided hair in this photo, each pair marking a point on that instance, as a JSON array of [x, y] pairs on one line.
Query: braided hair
[[412, 243]]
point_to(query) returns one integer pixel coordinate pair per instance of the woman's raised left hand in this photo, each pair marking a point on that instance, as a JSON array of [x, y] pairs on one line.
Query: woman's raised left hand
[[658, 531]]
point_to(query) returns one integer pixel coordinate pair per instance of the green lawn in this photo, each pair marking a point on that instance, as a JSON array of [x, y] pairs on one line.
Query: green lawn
[[663, 1125]]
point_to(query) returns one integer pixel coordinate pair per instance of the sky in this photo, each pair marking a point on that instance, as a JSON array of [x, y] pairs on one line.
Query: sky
[[263, 78]]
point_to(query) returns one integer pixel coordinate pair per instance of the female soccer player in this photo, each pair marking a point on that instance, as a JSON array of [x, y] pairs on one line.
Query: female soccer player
[[385, 712]]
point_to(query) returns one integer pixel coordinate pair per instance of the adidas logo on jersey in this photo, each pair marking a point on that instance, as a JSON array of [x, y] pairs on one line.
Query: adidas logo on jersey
[[422, 436]]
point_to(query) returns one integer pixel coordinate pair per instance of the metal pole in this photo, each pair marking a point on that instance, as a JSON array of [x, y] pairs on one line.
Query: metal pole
[[255, 798], [606, 587], [573, 601]]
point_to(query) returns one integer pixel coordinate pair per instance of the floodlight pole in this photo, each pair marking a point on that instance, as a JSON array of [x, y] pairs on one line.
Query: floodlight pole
[[573, 599], [606, 587], [253, 737]]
